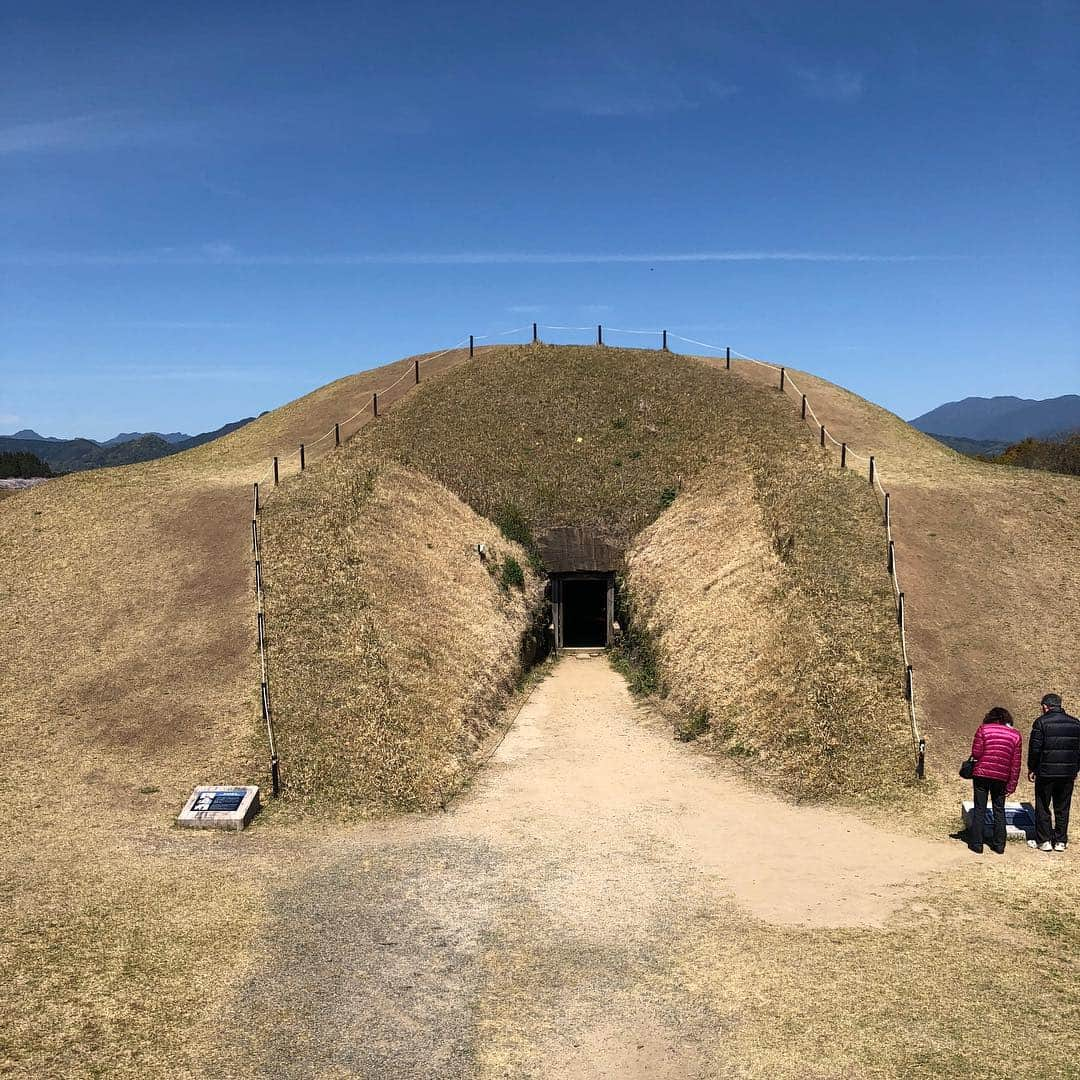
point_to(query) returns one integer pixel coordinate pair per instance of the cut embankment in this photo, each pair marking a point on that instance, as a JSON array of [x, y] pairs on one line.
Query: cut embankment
[[989, 560], [762, 597], [392, 643]]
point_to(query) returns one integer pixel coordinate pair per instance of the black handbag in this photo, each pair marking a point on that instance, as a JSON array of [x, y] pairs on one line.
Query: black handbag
[[967, 770]]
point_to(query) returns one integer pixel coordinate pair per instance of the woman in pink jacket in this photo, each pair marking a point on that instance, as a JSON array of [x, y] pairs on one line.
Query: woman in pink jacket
[[996, 749]]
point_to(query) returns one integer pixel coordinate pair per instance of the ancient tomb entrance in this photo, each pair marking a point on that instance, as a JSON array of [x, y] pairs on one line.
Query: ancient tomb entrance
[[582, 568]]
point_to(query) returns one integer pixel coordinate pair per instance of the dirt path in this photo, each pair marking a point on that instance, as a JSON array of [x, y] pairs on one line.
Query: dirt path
[[536, 928]]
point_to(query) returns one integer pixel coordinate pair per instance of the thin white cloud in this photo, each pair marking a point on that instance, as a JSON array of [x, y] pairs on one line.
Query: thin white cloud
[[92, 131], [172, 257], [9, 419], [838, 84], [596, 99]]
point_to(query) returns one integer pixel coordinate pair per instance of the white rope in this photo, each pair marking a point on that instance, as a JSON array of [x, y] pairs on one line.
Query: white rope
[[691, 341], [502, 333], [548, 326], [616, 330]]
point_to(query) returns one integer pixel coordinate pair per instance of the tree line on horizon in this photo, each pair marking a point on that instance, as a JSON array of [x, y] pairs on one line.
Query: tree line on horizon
[[22, 465]]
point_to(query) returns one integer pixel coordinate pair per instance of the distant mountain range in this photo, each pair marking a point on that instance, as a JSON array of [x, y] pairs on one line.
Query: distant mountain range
[[73, 455], [982, 424]]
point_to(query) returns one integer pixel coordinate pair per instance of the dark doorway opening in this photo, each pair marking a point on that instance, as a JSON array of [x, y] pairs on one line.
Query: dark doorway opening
[[585, 612]]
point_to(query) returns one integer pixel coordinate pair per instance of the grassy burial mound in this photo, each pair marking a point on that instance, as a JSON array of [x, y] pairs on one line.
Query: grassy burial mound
[[756, 593]]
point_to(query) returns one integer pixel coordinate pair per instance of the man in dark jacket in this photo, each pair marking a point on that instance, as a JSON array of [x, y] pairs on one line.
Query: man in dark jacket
[[1053, 762]]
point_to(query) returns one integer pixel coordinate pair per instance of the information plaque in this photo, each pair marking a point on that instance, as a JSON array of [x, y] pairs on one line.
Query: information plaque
[[220, 807]]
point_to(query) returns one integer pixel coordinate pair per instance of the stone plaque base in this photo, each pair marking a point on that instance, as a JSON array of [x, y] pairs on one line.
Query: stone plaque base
[[1019, 820], [220, 807]]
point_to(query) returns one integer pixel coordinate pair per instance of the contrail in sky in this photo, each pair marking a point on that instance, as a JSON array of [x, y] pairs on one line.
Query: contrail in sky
[[220, 256]]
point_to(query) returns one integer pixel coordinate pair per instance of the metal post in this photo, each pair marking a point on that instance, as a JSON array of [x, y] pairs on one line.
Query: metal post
[[843, 455], [822, 434], [599, 335], [258, 576], [535, 338], [909, 682], [375, 404], [416, 372], [337, 434], [892, 558], [254, 535], [782, 380], [727, 358], [900, 612], [871, 470], [664, 345], [471, 349], [275, 777], [887, 516], [804, 406], [275, 472], [301, 457], [256, 487]]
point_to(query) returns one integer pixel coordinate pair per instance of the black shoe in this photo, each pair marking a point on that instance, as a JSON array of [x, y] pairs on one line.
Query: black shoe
[[998, 850], [977, 850]]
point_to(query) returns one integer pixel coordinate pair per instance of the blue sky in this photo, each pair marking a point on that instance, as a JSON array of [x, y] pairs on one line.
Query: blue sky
[[209, 209]]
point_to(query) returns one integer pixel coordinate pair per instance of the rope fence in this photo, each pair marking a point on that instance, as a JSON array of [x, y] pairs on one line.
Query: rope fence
[[410, 377]]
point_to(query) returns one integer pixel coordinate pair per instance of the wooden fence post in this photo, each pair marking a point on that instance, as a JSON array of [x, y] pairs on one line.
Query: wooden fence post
[[843, 455], [887, 517], [664, 345], [900, 612], [471, 350], [871, 470], [599, 335], [822, 434], [301, 457], [416, 372], [254, 535], [256, 486], [892, 558], [804, 406], [920, 761], [375, 403], [727, 358], [535, 339], [337, 434], [782, 373], [275, 472]]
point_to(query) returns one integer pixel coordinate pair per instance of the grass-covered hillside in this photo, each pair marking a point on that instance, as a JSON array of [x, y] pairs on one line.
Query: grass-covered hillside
[[373, 636]]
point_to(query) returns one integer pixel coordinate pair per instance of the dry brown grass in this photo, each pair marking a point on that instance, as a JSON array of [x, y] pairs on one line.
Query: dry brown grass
[[597, 437], [977, 978], [392, 646], [128, 665], [765, 591]]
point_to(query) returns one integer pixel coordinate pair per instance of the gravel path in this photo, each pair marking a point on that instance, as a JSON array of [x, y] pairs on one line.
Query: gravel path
[[534, 930]]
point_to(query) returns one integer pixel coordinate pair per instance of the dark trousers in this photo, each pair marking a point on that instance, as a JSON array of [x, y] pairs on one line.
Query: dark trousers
[[996, 790], [1059, 793]]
